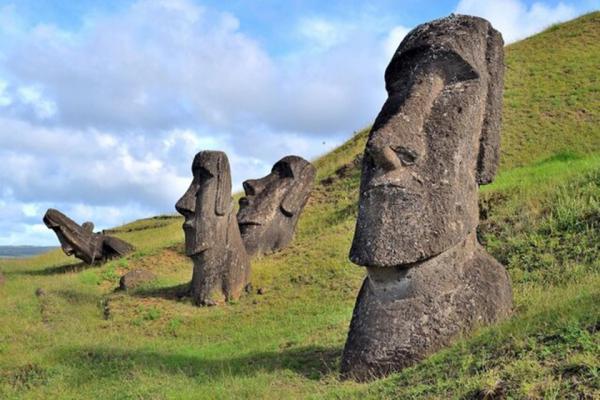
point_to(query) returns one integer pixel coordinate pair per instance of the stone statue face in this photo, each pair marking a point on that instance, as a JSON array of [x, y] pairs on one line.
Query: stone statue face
[[207, 203], [268, 213], [75, 239], [434, 140]]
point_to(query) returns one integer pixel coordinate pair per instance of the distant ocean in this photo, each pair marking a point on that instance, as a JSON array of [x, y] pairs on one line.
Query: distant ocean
[[23, 251]]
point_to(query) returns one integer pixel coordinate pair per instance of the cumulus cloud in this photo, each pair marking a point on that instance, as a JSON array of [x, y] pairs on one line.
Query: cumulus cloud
[[102, 120], [514, 19], [321, 33], [393, 39]]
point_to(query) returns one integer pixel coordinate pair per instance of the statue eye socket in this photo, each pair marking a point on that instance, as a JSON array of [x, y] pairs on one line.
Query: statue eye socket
[[283, 170], [204, 174], [406, 155]]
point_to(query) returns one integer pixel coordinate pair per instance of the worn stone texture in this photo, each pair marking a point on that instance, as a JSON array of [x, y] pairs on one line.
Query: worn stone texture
[[270, 210], [420, 170], [212, 235], [435, 140], [403, 314], [135, 278], [82, 242]]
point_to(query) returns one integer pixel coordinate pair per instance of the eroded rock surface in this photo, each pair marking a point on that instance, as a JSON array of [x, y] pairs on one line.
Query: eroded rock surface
[[435, 140], [135, 278], [212, 235], [82, 242], [270, 210]]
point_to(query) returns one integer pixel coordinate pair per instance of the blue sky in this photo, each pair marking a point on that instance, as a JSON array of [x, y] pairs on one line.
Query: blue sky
[[103, 104]]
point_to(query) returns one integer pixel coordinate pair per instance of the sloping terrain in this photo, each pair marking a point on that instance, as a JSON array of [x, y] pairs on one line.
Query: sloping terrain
[[78, 338]]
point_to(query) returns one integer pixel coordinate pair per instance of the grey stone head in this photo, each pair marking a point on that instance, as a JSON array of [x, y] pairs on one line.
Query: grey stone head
[[434, 141], [75, 239], [81, 241], [207, 203], [269, 212]]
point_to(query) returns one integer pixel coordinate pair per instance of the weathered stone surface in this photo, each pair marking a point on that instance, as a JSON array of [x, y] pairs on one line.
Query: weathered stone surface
[[402, 313], [212, 235], [435, 140], [82, 242], [135, 278], [269, 213]]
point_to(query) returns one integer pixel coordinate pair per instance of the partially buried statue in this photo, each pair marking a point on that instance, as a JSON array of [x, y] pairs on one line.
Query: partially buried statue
[[435, 140], [269, 213], [81, 241], [212, 236]]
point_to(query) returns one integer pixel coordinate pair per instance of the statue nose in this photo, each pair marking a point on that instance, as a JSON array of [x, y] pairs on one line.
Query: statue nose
[[187, 203], [251, 187], [385, 158]]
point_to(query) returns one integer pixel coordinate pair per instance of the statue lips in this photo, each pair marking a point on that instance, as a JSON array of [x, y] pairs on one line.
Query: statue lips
[[189, 227], [188, 224], [383, 186], [396, 181], [245, 221]]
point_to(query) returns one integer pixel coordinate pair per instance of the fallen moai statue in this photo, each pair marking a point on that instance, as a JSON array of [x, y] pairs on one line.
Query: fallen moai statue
[[82, 242], [434, 142], [270, 210], [212, 235]]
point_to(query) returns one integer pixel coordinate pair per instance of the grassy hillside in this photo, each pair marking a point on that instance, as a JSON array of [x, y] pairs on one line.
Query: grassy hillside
[[78, 338], [552, 93]]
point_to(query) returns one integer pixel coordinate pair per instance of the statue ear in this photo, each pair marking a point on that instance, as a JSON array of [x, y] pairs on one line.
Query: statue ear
[[223, 200], [489, 141], [88, 226], [297, 196]]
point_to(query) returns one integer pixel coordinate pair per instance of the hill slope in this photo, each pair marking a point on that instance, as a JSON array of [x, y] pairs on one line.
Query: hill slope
[[77, 338]]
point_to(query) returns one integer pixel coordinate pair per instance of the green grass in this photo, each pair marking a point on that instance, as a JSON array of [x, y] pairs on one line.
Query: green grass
[[81, 339], [552, 93]]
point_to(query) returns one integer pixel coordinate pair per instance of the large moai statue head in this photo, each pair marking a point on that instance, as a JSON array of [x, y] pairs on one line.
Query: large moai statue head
[[81, 241], [207, 204], [434, 141], [212, 237], [269, 212]]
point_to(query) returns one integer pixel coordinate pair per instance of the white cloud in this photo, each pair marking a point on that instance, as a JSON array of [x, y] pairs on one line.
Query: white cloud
[[5, 99], [514, 19], [393, 39], [30, 210], [322, 34], [103, 121], [32, 96]]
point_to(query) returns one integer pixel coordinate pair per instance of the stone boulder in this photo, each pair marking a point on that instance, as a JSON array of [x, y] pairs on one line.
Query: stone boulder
[[135, 278]]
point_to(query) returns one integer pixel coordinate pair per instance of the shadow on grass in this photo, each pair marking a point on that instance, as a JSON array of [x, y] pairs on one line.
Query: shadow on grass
[[56, 270], [176, 292], [76, 297], [312, 362]]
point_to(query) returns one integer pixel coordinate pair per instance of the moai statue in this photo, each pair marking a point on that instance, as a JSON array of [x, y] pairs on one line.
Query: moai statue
[[212, 236], [81, 241], [269, 213], [435, 140]]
